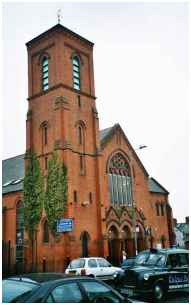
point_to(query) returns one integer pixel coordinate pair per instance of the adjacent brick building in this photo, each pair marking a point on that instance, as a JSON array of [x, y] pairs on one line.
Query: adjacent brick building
[[110, 192]]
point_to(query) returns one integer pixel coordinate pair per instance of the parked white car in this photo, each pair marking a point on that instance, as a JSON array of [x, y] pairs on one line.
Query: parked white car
[[95, 267]]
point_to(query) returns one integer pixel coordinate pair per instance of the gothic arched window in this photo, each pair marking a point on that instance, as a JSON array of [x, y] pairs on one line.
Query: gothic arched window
[[45, 73], [80, 135], [44, 128], [45, 232], [120, 183], [76, 72], [85, 237]]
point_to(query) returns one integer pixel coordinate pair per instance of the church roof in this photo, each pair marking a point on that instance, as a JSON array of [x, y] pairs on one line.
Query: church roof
[[58, 28], [156, 187], [13, 174]]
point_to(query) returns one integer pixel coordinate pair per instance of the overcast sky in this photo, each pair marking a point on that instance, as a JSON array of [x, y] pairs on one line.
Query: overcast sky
[[141, 78]]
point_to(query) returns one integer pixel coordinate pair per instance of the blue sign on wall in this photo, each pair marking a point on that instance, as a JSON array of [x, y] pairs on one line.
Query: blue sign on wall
[[64, 225]]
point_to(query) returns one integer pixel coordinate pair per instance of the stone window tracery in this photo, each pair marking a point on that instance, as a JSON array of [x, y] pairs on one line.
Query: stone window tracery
[[120, 183]]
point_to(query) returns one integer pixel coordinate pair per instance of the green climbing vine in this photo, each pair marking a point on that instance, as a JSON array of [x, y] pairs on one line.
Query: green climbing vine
[[33, 194], [56, 191]]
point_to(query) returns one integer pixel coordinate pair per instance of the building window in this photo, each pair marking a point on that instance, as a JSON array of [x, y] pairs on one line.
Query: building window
[[76, 72], [44, 127], [120, 182], [75, 197], [19, 231], [45, 135], [79, 101], [90, 197], [45, 73], [79, 135], [162, 209], [46, 162], [157, 209], [45, 232], [81, 164]]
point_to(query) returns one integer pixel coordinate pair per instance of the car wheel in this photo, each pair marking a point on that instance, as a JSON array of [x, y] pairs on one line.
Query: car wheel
[[91, 275], [158, 292]]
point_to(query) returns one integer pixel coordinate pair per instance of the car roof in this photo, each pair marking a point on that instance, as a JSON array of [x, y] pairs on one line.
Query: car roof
[[165, 250], [173, 250], [42, 277]]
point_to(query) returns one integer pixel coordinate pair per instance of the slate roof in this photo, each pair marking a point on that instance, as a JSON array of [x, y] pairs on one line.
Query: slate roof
[[155, 187], [12, 174], [104, 133]]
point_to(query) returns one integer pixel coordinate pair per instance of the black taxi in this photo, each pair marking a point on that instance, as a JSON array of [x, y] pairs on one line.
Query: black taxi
[[158, 272]]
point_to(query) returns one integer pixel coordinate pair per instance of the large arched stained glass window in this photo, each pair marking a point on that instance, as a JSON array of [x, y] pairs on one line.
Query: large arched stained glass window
[[120, 184], [76, 72], [45, 73]]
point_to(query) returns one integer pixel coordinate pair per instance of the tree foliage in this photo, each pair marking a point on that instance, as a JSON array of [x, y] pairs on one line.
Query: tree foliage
[[56, 191], [33, 194]]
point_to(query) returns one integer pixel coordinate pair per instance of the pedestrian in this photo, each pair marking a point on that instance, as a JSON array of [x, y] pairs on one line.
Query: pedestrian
[[124, 254]]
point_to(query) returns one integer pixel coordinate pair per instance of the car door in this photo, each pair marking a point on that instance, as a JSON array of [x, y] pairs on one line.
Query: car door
[[178, 270], [99, 293], [105, 267], [68, 292], [93, 268]]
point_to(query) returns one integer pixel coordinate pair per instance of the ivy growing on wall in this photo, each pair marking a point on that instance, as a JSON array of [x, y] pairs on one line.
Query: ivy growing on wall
[[56, 191], [33, 194]]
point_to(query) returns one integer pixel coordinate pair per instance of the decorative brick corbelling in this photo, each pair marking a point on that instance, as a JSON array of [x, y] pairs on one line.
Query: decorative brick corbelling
[[61, 101]]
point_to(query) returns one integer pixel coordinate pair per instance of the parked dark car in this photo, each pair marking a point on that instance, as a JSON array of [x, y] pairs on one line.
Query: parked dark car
[[161, 271], [58, 288]]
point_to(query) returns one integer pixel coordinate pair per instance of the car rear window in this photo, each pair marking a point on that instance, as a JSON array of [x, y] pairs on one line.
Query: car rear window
[[12, 289], [77, 263]]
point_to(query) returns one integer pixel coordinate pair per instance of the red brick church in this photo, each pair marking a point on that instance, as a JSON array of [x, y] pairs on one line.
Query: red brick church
[[112, 201]]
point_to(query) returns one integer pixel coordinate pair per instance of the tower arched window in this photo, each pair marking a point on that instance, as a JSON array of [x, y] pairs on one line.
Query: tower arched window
[[120, 182], [80, 135], [76, 72], [45, 84], [44, 130], [45, 232]]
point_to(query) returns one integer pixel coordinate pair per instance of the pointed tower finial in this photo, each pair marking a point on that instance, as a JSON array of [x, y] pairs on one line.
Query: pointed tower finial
[[59, 15]]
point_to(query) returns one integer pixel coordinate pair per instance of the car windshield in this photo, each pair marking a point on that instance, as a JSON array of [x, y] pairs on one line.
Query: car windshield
[[12, 289], [77, 263], [155, 259]]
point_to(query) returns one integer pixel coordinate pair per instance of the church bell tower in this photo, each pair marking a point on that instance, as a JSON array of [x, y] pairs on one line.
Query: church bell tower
[[62, 115]]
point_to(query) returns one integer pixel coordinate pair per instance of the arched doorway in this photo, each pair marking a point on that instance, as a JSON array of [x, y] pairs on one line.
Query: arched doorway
[[85, 237], [114, 246], [127, 241]]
